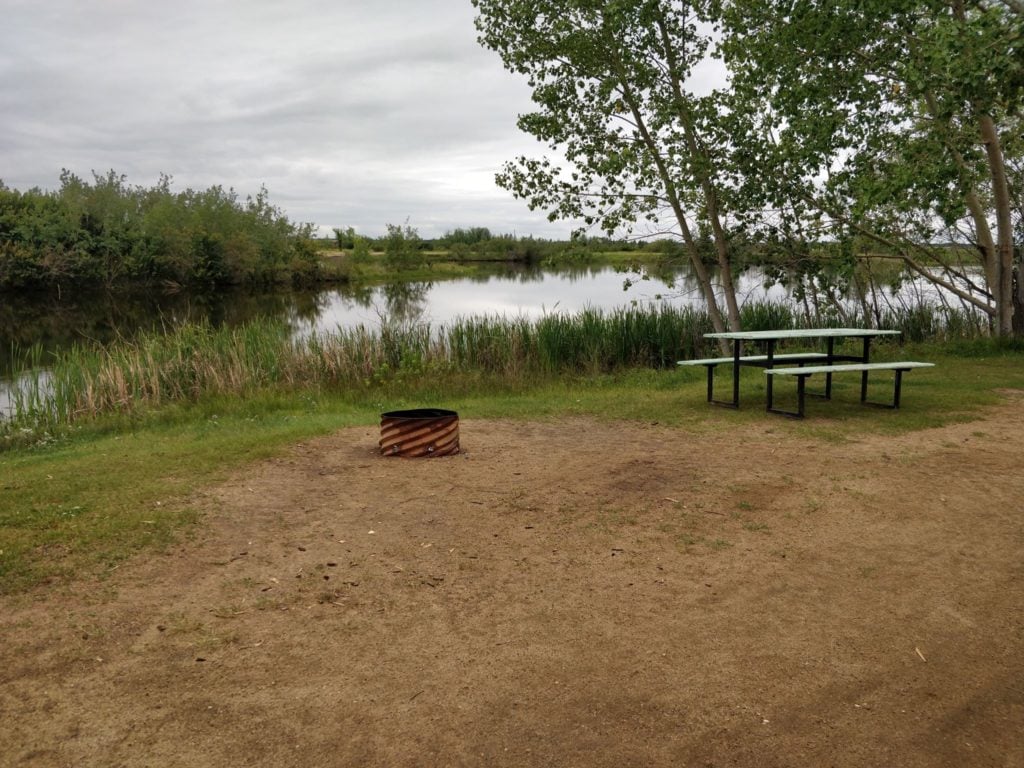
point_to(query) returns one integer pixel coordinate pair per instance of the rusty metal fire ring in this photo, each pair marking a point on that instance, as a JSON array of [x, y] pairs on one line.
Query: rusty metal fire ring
[[419, 432]]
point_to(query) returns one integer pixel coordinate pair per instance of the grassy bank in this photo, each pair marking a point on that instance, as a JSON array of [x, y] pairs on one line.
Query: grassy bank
[[196, 362], [112, 442], [374, 267], [117, 485]]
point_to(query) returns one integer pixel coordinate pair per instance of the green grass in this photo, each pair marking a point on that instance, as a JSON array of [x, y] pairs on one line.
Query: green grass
[[193, 362], [89, 502], [965, 378], [83, 499]]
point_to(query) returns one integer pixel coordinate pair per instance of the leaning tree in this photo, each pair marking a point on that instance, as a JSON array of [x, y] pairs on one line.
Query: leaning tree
[[631, 141]]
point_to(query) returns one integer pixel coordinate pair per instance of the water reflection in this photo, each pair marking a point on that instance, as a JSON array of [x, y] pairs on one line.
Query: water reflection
[[50, 322], [406, 302], [45, 323]]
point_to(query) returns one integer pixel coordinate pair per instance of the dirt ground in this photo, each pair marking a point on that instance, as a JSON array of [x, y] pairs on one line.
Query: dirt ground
[[563, 593]]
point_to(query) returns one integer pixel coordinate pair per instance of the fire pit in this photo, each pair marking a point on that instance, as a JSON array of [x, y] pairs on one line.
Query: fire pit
[[419, 432]]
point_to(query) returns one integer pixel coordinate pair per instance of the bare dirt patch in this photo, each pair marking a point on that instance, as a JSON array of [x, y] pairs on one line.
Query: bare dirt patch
[[563, 593]]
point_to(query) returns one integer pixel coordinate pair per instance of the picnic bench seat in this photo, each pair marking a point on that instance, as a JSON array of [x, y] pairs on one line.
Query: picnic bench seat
[[803, 372], [711, 362]]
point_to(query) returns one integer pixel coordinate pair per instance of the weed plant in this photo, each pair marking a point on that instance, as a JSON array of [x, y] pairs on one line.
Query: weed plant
[[197, 361]]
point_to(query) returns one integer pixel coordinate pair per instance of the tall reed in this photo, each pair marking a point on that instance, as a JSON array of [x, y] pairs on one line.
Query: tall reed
[[196, 360]]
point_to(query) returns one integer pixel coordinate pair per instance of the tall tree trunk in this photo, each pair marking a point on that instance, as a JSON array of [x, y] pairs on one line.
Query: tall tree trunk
[[1004, 224], [1003, 289], [1018, 298], [703, 276], [983, 233], [721, 241]]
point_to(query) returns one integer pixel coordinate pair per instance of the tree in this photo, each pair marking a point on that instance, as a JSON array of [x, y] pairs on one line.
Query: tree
[[610, 81], [345, 238], [402, 246], [897, 121]]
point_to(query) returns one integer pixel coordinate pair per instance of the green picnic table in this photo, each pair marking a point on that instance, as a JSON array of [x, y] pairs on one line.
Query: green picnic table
[[802, 364]]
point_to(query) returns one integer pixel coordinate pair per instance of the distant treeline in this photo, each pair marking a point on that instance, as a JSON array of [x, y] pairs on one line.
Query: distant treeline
[[479, 243], [107, 232]]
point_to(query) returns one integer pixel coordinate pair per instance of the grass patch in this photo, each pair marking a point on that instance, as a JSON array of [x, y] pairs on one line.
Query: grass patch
[[83, 500], [86, 504], [195, 362]]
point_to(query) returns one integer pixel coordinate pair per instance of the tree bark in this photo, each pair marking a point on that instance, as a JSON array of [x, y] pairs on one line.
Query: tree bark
[[1003, 289], [986, 243], [1004, 224]]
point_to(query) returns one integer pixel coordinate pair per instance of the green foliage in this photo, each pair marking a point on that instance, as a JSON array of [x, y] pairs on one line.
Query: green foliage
[[460, 251], [345, 238], [402, 247], [305, 265], [895, 121], [108, 232], [361, 250], [612, 87], [765, 316], [898, 121], [195, 361], [479, 244], [470, 236]]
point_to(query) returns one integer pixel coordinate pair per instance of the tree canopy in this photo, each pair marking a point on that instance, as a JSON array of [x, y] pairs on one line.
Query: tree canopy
[[895, 123], [898, 121]]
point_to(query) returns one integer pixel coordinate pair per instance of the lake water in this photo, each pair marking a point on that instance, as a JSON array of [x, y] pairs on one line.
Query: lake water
[[528, 295], [56, 321]]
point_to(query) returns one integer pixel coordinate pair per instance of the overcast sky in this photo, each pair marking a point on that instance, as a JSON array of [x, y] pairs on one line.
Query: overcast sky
[[351, 112]]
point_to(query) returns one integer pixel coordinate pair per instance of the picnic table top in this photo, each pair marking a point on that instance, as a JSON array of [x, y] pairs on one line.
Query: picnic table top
[[801, 333]]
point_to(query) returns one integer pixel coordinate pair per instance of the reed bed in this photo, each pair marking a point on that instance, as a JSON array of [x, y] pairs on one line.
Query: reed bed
[[194, 361]]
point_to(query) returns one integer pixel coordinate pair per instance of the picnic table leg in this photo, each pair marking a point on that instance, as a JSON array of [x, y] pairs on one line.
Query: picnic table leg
[[736, 344], [830, 347], [768, 384], [801, 398], [864, 374], [897, 388]]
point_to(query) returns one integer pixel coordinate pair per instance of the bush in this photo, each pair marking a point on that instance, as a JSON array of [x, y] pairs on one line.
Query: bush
[[402, 247], [109, 232]]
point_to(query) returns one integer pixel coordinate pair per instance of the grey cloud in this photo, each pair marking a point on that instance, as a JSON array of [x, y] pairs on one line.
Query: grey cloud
[[356, 113]]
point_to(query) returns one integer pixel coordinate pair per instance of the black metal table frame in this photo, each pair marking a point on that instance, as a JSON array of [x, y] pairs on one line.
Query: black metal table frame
[[830, 358], [801, 392]]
